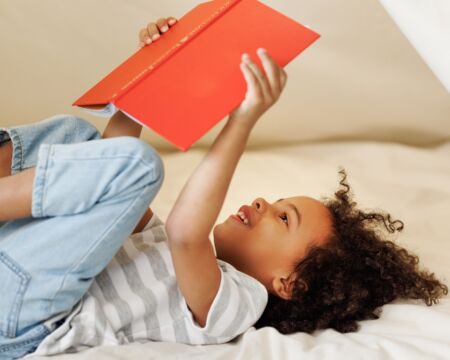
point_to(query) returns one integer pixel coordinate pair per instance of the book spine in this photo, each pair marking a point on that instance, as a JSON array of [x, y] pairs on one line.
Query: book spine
[[197, 30]]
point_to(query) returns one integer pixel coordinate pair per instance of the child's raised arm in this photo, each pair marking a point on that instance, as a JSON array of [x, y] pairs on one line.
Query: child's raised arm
[[122, 125], [198, 205]]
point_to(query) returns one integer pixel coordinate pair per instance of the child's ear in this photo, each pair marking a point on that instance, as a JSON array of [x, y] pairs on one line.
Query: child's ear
[[283, 286]]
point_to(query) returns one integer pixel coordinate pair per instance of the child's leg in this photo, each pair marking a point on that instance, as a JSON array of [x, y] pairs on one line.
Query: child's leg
[[86, 200], [5, 158], [58, 129], [19, 145], [15, 195]]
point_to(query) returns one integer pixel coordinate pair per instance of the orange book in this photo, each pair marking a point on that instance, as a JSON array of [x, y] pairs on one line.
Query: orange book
[[186, 82]]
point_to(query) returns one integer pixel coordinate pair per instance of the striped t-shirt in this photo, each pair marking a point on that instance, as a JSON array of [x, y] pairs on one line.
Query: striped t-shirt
[[136, 298]]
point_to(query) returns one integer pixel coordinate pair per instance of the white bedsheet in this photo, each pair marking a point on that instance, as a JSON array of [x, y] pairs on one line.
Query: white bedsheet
[[412, 184]]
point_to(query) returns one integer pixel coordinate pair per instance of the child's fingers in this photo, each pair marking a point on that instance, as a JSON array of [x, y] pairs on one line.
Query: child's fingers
[[153, 32], [148, 34], [163, 26], [253, 86], [272, 70], [265, 87], [171, 20], [143, 35], [164, 23], [284, 78]]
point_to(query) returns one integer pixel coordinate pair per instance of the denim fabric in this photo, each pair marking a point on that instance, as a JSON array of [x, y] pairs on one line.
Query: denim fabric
[[88, 196]]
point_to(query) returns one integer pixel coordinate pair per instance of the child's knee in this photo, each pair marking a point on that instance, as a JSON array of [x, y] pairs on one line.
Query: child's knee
[[148, 155], [66, 129], [85, 130]]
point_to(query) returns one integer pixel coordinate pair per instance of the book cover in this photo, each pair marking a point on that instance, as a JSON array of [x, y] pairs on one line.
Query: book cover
[[189, 80]]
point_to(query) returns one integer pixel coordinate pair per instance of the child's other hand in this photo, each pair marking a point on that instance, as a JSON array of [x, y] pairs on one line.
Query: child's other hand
[[263, 90], [154, 30]]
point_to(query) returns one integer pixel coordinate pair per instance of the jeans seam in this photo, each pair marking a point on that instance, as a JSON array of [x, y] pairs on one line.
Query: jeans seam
[[11, 326], [122, 215], [7, 347], [39, 179], [22, 150], [77, 127], [76, 124], [48, 166], [18, 149]]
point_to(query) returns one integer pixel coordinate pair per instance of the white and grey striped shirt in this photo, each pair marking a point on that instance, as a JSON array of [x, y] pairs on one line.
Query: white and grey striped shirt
[[136, 298]]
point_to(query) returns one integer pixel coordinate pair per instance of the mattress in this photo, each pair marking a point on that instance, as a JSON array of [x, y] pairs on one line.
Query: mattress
[[410, 183]]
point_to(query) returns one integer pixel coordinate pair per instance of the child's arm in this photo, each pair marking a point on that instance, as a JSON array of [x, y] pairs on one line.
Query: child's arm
[[198, 205], [122, 125]]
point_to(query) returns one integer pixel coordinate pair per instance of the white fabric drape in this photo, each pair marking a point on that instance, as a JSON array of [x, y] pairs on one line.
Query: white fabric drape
[[426, 24]]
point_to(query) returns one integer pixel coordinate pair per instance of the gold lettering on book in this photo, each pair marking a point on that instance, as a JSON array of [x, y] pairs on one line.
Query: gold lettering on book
[[177, 45]]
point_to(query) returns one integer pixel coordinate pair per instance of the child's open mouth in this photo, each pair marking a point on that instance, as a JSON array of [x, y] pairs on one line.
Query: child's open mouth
[[241, 218]]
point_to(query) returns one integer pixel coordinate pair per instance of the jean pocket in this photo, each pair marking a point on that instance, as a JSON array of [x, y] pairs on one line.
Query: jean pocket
[[14, 281]]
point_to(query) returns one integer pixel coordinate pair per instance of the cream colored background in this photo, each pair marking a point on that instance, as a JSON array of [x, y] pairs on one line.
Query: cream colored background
[[361, 80], [361, 85]]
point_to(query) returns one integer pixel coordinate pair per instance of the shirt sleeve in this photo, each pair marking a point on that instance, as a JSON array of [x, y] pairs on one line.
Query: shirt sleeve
[[153, 222], [239, 303]]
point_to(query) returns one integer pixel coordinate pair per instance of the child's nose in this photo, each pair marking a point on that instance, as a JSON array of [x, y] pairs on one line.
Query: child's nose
[[259, 204]]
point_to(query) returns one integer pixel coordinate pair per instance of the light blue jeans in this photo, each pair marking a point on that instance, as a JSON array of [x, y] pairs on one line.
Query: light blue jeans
[[88, 196]]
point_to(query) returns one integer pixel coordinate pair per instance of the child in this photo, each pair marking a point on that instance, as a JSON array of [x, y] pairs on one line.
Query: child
[[73, 277]]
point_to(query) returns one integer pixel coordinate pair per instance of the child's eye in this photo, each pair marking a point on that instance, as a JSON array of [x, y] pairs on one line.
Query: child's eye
[[286, 217]]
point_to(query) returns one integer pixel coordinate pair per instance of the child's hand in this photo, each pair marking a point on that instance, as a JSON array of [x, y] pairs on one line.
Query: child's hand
[[154, 30], [263, 90]]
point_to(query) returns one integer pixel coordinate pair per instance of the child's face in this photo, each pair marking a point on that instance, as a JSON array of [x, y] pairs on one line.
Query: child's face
[[270, 246]]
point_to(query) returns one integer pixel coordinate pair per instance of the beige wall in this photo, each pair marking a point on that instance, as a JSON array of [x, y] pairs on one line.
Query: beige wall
[[361, 80]]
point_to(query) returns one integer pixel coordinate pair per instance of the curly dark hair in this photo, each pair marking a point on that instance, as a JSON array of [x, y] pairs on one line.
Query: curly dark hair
[[352, 275]]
